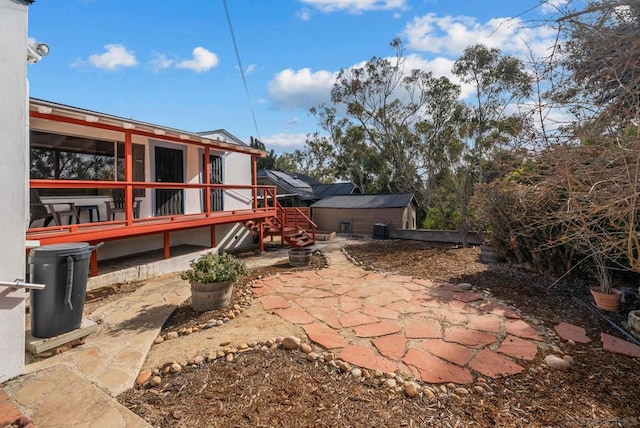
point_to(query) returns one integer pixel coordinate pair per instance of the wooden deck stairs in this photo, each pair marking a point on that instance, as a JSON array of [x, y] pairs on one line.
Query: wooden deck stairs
[[293, 225]]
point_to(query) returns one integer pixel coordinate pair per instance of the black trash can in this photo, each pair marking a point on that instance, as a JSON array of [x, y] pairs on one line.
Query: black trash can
[[64, 269], [380, 231]]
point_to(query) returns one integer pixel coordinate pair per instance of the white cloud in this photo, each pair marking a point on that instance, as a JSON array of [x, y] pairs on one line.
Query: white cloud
[[304, 14], [203, 60], [355, 6], [293, 121], [303, 88], [450, 35], [160, 61], [116, 56], [284, 141], [553, 6]]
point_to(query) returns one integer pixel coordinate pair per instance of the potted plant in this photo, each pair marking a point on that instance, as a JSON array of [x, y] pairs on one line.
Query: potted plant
[[605, 296], [212, 277]]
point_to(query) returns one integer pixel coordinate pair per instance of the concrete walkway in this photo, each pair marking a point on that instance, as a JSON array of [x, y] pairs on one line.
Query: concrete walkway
[[437, 332]]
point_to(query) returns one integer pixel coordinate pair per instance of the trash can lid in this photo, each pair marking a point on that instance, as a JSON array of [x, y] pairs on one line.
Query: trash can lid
[[55, 252], [69, 246]]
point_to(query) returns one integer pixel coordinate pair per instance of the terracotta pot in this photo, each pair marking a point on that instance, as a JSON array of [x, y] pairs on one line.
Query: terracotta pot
[[206, 297], [605, 301]]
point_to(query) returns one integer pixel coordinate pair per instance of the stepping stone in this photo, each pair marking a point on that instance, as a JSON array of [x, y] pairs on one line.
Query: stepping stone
[[467, 296], [263, 291], [412, 286], [406, 308], [349, 304], [619, 346], [423, 329], [274, 302], [518, 348], [425, 282], [392, 346], [356, 318], [305, 274], [452, 352], [488, 323], [472, 338], [380, 312], [521, 329], [363, 356], [316, 293], [382, 299], [572, 332], [399, 278], [405, 294], [434, 370], [354, 274], [375, 276], [447, 315], [343, 288], [295, 315], [463, 308], [378, 329], [325, 336], [488, 363], [328, 316], [498, 309]]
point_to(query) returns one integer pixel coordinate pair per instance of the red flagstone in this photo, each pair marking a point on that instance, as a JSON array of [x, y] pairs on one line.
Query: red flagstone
[[295, 315], [317, 283], [451, 352], [314, 292], [263, 291], [464, 336], [380, 312], [304, 302], [412, 286], [325, 336], [488, 363], [272, 281], [344, 288], [467, 296], [274, 302], [328, 316], [406, 308], [356, 318], [462, 307], [353, 274], [425, 282], [349, 304], [375, 276], [306, 274], [326, 302], [363, 290], [489, 323], [381, 328], [498, 309], [434, 370], [572, 332], [327, 273], [407, 295], [392, 346], [383, 299], [449, 315], [442, 295], [400, 278], [518, 348], [364, 356], [257, 284], [521, 329], [423, 329], [619, 346], [427, 301]]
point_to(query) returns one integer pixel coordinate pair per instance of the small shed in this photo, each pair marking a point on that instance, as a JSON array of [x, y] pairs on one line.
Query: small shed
[[358, 213]]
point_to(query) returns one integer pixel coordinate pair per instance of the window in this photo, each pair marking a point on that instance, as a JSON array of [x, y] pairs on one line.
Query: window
[[65, 157]]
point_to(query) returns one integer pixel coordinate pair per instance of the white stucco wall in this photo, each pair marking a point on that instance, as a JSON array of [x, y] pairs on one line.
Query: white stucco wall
[[13, 164]]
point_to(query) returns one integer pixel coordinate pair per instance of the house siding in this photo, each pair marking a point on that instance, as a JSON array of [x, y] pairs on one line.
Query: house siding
[[361, 219]]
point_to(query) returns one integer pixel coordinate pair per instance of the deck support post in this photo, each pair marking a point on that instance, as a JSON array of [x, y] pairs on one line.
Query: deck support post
[[262, 236], [167, 245], [212, 230], [93, 263]]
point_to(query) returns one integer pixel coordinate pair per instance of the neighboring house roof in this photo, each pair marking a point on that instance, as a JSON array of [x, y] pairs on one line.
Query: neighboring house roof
[[223, 135], [42, 108], [324, 190], [289, 183], [396, 200]]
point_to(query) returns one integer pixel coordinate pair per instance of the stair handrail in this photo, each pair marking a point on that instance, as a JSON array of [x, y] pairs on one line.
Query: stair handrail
[[311, 223]]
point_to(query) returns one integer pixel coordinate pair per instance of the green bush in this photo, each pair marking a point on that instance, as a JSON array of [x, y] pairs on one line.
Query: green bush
[[211, 267]]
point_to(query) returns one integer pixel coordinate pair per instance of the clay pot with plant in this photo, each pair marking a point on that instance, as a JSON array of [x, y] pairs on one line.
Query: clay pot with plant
[[212, 277], [605, 296]]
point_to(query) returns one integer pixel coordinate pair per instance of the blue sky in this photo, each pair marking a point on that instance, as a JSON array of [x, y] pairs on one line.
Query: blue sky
[[173, 63]]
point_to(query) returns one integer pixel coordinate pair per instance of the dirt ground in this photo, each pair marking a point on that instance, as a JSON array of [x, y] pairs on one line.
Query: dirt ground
[[283, 388]]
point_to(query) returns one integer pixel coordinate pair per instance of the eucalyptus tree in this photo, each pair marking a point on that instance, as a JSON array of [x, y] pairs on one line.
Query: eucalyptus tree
[[402, 123]]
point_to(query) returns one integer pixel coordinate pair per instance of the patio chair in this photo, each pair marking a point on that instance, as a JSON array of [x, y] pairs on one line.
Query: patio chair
[[117, 205], [49, 212]]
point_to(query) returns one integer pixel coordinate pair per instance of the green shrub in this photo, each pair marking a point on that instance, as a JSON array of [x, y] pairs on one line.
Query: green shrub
[[211, 267]]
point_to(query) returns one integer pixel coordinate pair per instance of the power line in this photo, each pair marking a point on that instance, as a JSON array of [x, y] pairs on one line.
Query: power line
[[244, 79]]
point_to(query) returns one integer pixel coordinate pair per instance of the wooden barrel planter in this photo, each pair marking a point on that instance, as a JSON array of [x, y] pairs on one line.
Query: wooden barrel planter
[[206, 297], [299, 257]]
